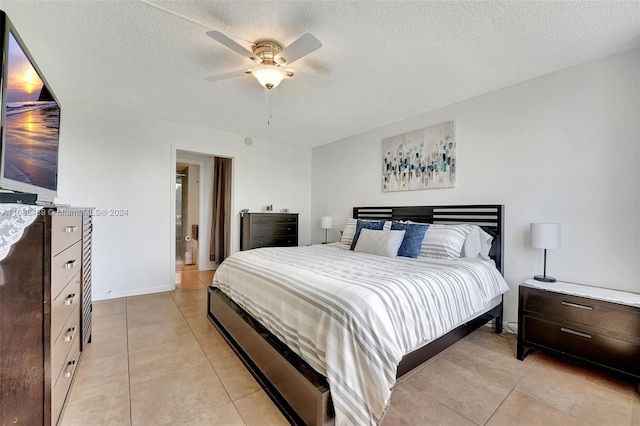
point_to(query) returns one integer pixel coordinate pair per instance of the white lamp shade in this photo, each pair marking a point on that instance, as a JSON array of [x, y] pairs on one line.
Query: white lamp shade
[[326, 222], [545, 235], [268, 75]]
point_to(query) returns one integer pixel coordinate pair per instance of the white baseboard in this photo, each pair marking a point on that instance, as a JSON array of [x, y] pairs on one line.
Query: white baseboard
[[128, 293]]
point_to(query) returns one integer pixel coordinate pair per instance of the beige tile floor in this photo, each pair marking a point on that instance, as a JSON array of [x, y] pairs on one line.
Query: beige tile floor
[[156, 360]]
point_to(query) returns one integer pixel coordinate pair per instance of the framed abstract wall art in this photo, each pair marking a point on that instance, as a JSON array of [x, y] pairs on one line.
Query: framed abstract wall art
[[422, 159]]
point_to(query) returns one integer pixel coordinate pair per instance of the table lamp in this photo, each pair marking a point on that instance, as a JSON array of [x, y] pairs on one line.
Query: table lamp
[[545, 236], [326, 223]]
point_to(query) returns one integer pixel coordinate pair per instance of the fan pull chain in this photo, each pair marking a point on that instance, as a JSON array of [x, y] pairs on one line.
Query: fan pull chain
[[269, 88], [269, 98]]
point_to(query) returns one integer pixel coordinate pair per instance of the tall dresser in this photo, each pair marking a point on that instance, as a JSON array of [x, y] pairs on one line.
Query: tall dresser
[[42, 317], [268, 230]]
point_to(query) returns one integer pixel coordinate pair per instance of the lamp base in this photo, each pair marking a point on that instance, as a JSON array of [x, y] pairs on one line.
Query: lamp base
[[544, 278]]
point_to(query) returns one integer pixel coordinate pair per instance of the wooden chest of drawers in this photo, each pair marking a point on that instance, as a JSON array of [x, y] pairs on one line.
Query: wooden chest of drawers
[[268, 230], [42, 302], [594, 331], [66, 262]]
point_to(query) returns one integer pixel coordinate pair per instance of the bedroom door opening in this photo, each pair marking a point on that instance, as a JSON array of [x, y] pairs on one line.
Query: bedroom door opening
[[198, 227]]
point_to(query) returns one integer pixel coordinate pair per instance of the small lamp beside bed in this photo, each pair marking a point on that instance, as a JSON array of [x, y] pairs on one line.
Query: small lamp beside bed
[[545, 236], [326, 223]]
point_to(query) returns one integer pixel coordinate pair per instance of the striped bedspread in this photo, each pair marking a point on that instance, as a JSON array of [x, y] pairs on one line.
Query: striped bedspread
[[353, 316]]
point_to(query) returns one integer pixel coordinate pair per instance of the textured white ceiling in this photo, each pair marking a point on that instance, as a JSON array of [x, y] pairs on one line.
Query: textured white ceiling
[[388, 60]]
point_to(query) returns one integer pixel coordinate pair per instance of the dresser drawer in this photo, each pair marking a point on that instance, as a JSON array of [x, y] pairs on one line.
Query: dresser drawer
[[64, 304], [584, 342], [66, 229], [279, 241], [595, 313], [63, 381], [275, 229], [273, 218], [64, 341], [64, 266]]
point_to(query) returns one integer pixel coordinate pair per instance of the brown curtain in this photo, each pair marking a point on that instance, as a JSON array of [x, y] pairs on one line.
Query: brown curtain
[[220, 246]]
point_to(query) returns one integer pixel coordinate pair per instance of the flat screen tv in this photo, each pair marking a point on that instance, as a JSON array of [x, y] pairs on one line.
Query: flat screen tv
[[30, 116]]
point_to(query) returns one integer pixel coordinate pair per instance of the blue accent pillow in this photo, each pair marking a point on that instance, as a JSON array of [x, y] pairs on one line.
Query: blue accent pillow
[[368, 224], [413, 236]]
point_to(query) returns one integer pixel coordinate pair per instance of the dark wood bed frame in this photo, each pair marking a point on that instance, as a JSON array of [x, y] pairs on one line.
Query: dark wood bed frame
[[300, 392]]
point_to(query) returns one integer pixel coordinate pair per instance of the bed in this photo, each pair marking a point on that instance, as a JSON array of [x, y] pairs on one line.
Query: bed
[[355, 334]]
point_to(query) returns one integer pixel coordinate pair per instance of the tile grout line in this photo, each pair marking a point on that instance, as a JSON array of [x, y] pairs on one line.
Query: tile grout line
[[233, 402], [535, 361], [128, 352], [126, 322], [499, 406], [200, 345], [204, 353], [184, 318], [587, 379], [636, 389], [442, 355], [513, 389]]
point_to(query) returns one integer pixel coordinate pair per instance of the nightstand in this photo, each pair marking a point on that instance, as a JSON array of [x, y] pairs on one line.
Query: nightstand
[[589, 324]]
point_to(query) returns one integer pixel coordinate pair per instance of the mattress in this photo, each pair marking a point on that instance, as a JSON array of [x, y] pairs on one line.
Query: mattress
[[353, 316]]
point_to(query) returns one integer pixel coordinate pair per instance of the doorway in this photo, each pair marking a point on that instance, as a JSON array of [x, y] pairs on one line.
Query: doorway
[[194, 178]]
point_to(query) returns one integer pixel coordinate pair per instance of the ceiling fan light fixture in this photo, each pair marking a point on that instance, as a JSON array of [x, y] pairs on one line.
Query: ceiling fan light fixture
[[269, 76]]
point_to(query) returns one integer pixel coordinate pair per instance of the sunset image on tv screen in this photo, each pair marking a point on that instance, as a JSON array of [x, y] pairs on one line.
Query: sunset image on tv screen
[[32, 124]]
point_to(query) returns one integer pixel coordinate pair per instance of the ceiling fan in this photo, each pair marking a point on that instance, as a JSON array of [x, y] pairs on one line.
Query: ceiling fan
[[272, 58]]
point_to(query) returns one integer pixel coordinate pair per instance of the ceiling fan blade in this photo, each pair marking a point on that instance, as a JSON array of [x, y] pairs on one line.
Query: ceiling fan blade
[[231, 44], [306, 44], [232, 74], [311, 79]]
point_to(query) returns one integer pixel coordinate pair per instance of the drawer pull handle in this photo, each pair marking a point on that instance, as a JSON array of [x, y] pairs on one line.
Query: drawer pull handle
[[70, 334], [574, 332], [70, 367], [576, 305], [70, 264], [70, 300], [70, 228]]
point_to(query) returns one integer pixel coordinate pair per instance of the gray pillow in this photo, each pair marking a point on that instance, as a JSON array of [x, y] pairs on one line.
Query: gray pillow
[[382, 243]]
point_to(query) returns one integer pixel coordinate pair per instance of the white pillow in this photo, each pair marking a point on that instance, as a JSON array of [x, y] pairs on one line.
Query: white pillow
[[444, 241], [477, 244], [382, 243], [349, 230]]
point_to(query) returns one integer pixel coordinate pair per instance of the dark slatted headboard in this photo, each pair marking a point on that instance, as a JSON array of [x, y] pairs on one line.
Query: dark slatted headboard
[[489, 217]]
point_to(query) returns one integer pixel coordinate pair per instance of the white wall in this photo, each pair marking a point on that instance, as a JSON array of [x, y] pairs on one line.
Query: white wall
[[561, 148], [114, 159]]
